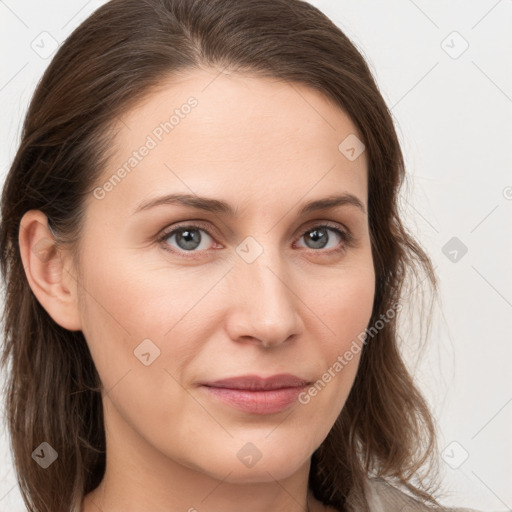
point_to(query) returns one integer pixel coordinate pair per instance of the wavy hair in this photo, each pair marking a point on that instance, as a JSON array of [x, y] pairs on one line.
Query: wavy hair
[[115, 58]]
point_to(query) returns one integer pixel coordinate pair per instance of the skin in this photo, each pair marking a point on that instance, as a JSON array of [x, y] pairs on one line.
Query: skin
[[265, 147]]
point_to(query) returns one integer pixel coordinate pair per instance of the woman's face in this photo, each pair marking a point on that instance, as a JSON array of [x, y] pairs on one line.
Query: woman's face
[[252, 286]]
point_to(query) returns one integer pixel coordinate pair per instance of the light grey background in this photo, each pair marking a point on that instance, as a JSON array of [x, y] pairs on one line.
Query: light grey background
[[453, 111]]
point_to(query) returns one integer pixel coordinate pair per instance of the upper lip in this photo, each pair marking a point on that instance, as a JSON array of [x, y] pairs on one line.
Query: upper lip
[[255, 382]]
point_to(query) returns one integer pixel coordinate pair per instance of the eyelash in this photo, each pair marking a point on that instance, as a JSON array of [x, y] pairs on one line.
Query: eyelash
[[345, 235]]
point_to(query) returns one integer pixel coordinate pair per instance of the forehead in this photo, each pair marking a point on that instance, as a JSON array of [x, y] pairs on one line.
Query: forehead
[[239, 136]]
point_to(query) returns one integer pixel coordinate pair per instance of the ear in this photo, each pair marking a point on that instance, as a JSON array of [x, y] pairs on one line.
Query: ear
[[49, 273]]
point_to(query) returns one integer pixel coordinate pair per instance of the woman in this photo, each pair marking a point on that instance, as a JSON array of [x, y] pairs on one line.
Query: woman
[[205, 266]]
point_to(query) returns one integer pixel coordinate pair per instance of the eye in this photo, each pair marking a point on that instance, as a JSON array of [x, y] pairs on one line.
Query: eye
[[188, 238], [194, 238], [318, 238]]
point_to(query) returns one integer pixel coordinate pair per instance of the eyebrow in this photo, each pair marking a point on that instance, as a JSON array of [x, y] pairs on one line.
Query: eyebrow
[[221, 207]]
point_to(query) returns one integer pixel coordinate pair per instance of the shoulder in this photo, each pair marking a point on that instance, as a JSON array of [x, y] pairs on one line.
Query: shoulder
[[383, 497]]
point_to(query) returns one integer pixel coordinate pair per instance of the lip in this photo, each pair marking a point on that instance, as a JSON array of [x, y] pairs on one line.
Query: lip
[[255, 394], [255, 382]]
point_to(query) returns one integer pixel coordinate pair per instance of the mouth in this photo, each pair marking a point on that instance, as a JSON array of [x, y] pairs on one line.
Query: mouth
[[257, 395]]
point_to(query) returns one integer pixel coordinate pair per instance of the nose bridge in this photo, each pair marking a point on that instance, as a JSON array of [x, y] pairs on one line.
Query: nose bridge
[[264, 293]]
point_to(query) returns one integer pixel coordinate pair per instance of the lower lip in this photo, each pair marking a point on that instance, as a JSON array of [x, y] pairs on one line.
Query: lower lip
[[257, 402]]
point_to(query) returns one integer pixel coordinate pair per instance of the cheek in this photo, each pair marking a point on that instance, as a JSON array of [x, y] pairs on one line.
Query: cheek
[[156, 301], [142, 312], [346, 308], [140, 298], [347, 305]]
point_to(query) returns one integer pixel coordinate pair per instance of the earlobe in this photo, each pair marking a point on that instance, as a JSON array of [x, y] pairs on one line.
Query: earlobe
[[50, 280]]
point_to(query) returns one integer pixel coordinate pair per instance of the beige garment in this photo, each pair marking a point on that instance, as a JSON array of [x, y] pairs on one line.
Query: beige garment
[[383, 497]]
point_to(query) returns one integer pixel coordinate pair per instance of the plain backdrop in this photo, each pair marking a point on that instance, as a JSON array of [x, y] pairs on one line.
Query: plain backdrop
[[445, 70]]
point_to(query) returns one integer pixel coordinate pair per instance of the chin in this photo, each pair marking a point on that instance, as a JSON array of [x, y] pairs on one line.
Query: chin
[[261, 474], [251, 465]]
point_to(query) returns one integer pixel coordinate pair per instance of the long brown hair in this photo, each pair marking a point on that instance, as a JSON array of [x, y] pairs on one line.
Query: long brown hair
[[116, 57]]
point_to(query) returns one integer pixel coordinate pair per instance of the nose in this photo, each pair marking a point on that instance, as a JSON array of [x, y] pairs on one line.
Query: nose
[[263, 303]]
